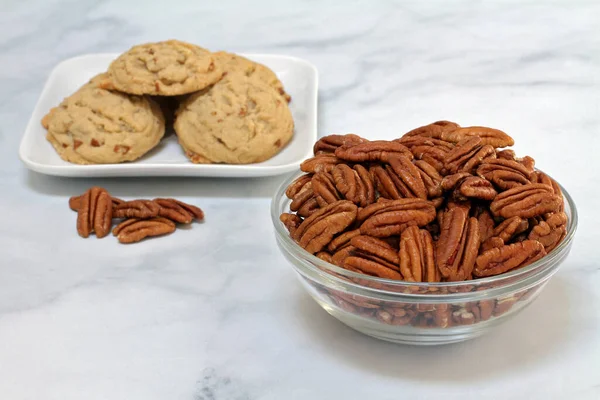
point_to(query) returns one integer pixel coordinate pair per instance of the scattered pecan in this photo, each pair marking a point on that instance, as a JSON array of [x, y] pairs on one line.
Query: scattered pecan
[[417, 262], [134, 229], [169, 208], [458, 245], [500, 260], [136, 209], [389, 218], [328, 144], [75, 201], [94, 213], [378, 150], [526, 201], [316, 231]]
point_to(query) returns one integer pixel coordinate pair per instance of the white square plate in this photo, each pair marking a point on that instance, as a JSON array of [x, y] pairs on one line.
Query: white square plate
[[299, 78]]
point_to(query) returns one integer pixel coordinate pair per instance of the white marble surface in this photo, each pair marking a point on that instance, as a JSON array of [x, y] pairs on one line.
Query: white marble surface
[[214, 312]]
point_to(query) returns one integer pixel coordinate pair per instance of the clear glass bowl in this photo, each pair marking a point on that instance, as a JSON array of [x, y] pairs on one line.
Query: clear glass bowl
[[418, 313]]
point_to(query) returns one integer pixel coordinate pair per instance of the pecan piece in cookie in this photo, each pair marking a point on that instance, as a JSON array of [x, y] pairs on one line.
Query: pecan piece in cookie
[[387, 218], [458, 244], [133, 230], [417, 262], [316, 231], [500, 260], [378, 150], [136, 209], [526, 201]]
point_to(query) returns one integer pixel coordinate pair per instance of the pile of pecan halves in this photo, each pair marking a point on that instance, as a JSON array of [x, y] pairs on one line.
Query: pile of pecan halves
[[140, 219], [442, 203]]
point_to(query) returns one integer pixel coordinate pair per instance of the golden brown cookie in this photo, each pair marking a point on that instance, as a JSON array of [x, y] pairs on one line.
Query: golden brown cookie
[[167, 68], [97, 126], [237, 121], [233, 64]]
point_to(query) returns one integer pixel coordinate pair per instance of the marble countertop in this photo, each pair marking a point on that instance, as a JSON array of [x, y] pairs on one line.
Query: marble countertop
[[215, 312]]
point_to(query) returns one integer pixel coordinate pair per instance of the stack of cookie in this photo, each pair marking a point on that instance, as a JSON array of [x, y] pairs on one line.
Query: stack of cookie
[[226, 108]]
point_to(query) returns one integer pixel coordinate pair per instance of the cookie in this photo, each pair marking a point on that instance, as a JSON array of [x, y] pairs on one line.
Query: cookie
[[167, 68], [97, 126], [234, 64], [237, 121]]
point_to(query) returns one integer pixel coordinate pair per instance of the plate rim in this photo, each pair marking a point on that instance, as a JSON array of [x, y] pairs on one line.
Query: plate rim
[[160, 169]]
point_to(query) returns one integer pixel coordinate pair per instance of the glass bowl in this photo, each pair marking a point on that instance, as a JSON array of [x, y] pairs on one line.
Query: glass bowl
[[418, 313]]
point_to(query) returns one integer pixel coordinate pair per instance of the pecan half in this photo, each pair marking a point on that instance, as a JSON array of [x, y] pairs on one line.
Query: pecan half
[[435, 130], [324, 187], [328, 144], [486, 225], [316, 231], [354, 184], [551, 231], [433, 151], [133, 230], [511, 227], [342, 240], [291, 221], [389, 218], [298, 185], [378, 150], [169, 208], [488, 136], [75, 202], [340, 256], [417, 261], [409, 182], [376, 250], [94, 213], [540, 177], [526, 201], [371, 267], [431, 178], [465, 186], [467, 155], [458, 245], [500, 260], [136, 209], [504, 174], [383, 181], [320, 163], [304, 201]]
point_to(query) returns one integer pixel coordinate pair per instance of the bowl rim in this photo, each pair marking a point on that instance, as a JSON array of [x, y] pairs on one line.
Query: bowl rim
[[319, 266]]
